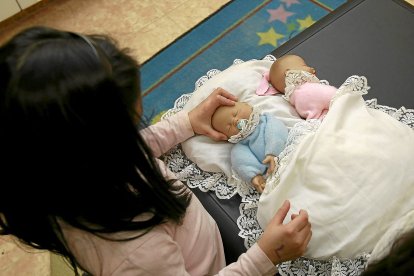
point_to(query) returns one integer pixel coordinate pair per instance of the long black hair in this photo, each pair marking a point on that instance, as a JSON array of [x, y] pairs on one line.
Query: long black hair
[[69, 143], [399, 261]]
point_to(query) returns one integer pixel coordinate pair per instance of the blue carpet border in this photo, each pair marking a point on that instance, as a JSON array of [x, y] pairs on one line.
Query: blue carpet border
[[174, 70]]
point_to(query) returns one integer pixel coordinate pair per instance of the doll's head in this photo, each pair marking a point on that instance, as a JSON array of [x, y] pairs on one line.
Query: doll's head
[[279, 68], [229, 119]]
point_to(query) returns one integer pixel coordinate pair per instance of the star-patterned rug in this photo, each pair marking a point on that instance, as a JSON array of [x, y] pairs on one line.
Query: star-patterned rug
[[242, 29]]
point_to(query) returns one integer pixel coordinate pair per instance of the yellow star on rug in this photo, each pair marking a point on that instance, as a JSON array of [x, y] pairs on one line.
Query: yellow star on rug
[[269, 37], [304, 23], [157, 118]]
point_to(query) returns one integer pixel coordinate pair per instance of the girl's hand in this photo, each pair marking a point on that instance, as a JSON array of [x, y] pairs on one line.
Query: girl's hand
[[283, 242], [200, 116]]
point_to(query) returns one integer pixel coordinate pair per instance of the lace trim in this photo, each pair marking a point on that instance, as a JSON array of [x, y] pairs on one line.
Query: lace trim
[[189, 173], [354, 84], [296, 133], [248, 127], [333, 266], [294, 78]]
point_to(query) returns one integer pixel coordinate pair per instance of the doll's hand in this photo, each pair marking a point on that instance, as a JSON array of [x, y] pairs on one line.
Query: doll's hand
[[200, 116], [270, 159], [311, 70], [259, 183]]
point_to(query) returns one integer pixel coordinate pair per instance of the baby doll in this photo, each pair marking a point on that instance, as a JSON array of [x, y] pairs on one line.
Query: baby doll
[[258, 139], [291, 76]]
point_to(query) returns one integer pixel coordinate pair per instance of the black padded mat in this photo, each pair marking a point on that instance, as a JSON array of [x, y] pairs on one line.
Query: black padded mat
[[372, 38]]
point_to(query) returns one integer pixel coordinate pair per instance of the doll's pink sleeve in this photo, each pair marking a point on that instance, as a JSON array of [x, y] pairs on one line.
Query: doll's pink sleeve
[[265, 88], [311, 100]]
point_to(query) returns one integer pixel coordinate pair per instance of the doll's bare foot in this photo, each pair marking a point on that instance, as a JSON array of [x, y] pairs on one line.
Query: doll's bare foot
[[259, 183]]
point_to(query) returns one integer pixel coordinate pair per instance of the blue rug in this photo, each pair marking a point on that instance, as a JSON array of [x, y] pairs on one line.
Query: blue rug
[[243, 29]]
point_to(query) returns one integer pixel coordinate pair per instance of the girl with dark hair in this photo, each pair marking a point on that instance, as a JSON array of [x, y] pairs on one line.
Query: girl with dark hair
[[398, 261], [78, 179]]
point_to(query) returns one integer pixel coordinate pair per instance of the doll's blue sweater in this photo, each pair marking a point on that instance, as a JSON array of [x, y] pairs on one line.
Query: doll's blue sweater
[[269, 137]]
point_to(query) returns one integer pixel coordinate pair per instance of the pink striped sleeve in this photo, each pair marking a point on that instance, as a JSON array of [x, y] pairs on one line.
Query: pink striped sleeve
[[163, 135]]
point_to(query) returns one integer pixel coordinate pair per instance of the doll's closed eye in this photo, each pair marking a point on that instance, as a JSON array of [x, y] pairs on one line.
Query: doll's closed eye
[[234, 119]]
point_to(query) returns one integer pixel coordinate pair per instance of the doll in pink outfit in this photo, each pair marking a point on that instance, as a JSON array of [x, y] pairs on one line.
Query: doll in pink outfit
[[291, 76]]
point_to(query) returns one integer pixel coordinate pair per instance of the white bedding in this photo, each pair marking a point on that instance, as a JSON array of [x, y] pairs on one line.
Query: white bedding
[[350, 215], [241, 80], [353, 175]]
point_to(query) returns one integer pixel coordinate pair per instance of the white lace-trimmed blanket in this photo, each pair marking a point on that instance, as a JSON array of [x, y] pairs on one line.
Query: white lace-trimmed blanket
[[301, 134]]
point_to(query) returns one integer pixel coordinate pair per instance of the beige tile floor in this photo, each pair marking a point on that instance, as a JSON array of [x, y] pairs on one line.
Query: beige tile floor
[[144, 26]]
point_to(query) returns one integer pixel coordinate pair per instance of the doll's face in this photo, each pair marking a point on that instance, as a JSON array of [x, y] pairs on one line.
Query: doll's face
[[225, 118], [282, 65]]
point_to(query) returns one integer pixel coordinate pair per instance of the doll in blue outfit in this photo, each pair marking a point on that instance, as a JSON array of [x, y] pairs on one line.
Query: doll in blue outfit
[[258, 138]]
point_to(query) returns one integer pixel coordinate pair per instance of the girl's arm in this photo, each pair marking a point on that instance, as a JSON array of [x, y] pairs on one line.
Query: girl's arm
[[163, 135]]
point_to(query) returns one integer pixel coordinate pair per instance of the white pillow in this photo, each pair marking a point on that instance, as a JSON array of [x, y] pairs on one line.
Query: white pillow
[[241, 80]]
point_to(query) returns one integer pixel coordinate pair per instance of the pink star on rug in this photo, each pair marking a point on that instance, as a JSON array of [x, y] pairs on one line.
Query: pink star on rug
[[279, 14], [290, 2]]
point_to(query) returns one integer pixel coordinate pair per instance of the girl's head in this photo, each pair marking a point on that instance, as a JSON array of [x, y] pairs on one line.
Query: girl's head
[[398, 261], [69, 106], [282, 65]]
